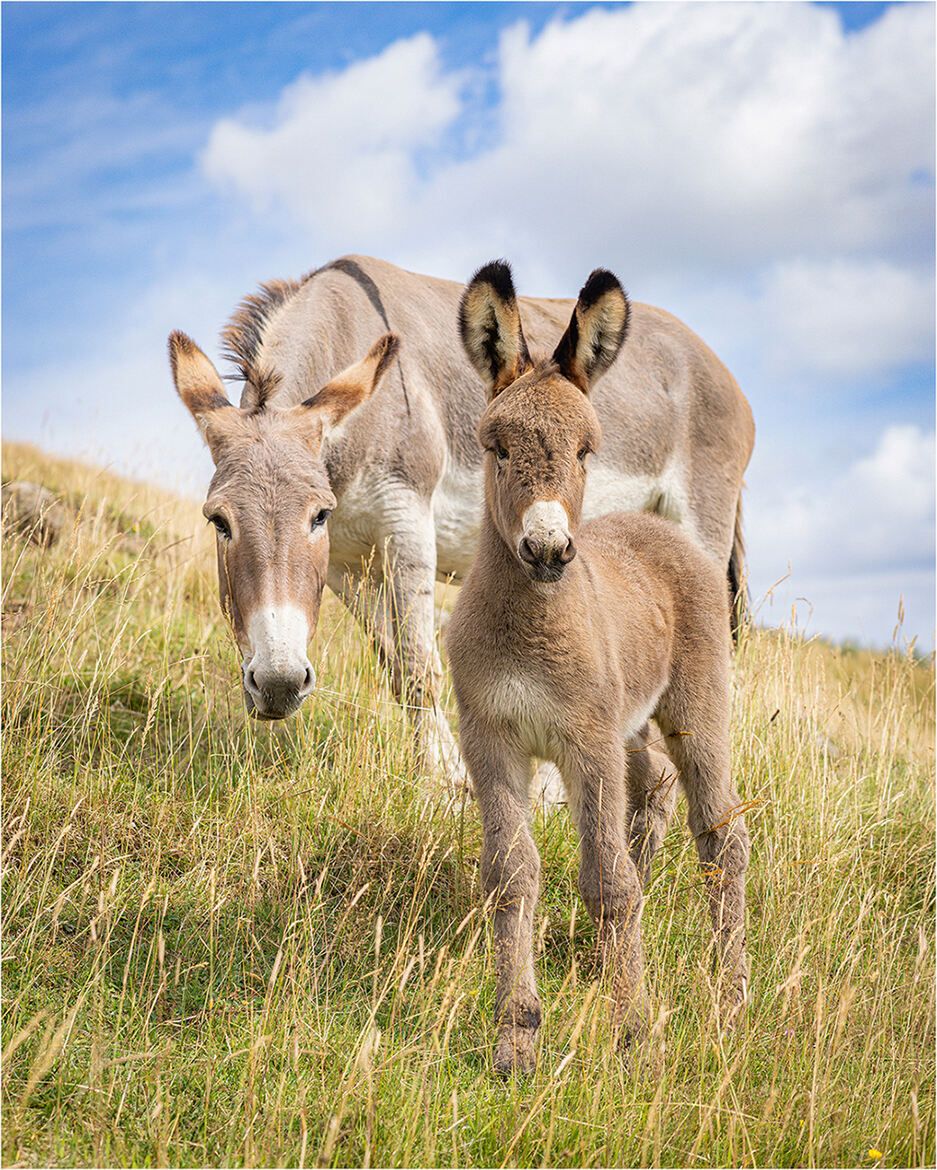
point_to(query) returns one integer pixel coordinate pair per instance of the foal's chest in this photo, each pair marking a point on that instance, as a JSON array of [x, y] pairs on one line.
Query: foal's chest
[[531, 709]]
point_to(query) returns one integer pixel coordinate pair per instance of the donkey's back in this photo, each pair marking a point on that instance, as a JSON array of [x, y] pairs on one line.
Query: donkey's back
[[678, 432]]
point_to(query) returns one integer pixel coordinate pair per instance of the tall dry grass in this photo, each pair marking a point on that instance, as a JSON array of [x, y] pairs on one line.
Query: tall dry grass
[[230, 945]]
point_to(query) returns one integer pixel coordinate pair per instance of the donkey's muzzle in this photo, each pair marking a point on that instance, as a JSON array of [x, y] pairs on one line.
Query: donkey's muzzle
[[276, 670], [545, 546], [546, 560], [274, 694]]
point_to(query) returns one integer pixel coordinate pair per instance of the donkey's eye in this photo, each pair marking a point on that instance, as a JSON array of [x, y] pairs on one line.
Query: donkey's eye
[[500, 454], [581, 456], [320, 518], [221, 526]]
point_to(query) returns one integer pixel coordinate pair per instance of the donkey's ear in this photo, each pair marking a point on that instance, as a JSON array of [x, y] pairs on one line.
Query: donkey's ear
[[197, 381], [595, 332], [351, 387], [490, 324]]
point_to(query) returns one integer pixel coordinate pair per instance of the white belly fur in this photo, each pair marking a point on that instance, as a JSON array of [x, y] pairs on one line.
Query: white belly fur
[[525, 702], [458, 501], [607, 490]]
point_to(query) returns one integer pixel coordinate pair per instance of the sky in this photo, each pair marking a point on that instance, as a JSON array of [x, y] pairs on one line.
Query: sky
[[763, 171]]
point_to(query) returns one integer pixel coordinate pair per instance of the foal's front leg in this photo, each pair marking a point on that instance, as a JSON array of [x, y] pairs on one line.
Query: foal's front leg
[[609, 881], [510, 871]]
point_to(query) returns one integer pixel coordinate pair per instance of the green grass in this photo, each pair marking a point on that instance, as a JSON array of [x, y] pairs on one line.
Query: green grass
[[227, 944]]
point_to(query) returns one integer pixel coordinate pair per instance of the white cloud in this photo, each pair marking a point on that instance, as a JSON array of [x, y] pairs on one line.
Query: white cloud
[[344, 147], [699, 150], [846, 318], [700, 135], [878, 511]]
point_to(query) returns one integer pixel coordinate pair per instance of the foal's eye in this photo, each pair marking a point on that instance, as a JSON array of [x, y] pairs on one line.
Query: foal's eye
[[500, 454], [581, 456], [221, 526], [320, 518]]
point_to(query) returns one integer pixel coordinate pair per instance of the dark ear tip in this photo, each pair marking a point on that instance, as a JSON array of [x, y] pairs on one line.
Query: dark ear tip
[[180, 343], [497, 273], [599, 282], [384, 351], [387, 346]]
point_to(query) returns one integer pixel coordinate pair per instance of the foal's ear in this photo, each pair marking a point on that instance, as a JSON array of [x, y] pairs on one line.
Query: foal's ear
[[595, 332], [351, 387], [197, 381], [490, 324]]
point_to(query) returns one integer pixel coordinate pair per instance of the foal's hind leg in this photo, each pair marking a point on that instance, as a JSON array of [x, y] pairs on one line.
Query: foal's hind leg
[[652, 794], [700, 748]]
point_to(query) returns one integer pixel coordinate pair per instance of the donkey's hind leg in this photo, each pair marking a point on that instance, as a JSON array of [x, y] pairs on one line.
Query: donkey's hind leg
[[652, 794], [700, 749]]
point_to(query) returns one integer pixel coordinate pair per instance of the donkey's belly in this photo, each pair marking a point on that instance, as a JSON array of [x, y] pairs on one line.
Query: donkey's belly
[[611, 490], [458, 505]]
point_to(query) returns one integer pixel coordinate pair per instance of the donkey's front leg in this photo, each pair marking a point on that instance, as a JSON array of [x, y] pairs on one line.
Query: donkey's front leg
[[609, 881], [410, 574], [510, 872]]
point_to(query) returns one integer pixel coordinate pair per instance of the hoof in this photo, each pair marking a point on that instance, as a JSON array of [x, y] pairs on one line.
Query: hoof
[[516, 1053]]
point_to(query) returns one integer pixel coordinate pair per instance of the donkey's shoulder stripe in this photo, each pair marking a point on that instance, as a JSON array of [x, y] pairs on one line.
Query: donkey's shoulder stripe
[[357, 273]]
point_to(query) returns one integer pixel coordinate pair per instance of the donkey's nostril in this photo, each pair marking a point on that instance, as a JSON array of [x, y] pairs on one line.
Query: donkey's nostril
[[251, 681], [568, 553], [526, 552]]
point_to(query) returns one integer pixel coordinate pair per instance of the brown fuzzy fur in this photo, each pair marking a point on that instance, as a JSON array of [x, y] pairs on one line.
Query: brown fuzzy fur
[[570, 667]]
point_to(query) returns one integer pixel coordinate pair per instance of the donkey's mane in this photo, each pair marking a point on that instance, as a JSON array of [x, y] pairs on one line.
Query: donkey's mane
[[243, 337]]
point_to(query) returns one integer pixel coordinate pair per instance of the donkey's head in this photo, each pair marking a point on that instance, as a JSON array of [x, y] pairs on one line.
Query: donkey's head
[[539, 425], [270, 501]]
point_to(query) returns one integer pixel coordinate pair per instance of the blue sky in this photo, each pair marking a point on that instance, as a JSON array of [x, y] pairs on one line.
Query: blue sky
[[765, 172]]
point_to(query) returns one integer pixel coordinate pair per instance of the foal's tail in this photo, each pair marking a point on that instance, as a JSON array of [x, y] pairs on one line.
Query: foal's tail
[[739, 614]]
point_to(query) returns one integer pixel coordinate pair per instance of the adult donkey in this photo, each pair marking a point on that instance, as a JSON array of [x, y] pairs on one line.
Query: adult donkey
[[397, 474]]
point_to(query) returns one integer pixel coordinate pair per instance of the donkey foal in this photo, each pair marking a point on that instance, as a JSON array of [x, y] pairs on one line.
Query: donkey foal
[[564, 642]]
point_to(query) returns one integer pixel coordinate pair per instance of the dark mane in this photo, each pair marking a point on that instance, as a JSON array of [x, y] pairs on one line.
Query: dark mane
[[243, 336]]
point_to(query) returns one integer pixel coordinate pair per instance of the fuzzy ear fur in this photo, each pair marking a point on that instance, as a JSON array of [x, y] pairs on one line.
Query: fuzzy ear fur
[[351, 387], [198, 383], [595, 332], [490, 324]]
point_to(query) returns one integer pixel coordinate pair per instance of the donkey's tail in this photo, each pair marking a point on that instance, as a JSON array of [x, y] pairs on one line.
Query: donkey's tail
[[739, 613]]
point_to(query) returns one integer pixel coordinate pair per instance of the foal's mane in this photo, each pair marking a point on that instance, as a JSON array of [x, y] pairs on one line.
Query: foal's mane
[[243, 337]]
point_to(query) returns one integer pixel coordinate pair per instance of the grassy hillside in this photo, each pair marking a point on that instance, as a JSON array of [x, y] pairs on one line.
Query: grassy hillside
[[228, 944]]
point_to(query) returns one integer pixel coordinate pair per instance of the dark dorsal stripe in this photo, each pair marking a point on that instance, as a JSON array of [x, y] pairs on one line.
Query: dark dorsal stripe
[[369, 288]]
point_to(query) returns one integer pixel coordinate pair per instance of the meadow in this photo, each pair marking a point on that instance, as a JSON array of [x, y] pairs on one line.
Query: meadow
[[243, 945]]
